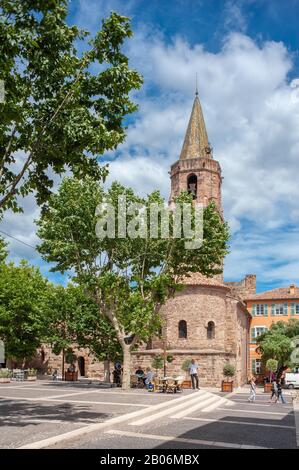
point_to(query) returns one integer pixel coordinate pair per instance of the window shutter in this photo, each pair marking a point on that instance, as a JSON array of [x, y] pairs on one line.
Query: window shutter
[[265, 310], [272, 310], [285, 309], [253, 335], [253, 309], [253, 366], [292, 310]]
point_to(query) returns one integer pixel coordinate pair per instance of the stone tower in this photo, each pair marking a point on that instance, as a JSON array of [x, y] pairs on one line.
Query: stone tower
[[196, 171]]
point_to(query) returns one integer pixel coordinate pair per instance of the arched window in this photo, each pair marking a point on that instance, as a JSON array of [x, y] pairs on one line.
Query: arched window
[[192, 185], [182, 329], [211, 330]]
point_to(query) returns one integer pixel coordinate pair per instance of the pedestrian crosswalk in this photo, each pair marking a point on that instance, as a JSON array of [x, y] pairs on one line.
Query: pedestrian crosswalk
[[184, 406]]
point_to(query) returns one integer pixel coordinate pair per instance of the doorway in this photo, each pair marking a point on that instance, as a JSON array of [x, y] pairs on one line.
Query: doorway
[[81, 366]]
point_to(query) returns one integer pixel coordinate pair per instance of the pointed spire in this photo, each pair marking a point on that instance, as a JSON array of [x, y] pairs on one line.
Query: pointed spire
[[196, 143]]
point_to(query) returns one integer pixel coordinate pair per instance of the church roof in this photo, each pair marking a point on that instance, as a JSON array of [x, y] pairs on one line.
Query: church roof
[[196, 142], [198, 279], [281, 293]]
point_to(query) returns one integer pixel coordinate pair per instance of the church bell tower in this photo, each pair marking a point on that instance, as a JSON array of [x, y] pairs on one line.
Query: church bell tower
[[196, 171]]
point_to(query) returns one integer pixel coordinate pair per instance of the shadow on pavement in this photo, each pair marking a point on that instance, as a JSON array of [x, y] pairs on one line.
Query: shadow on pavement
[[24, 413], [240, 434]]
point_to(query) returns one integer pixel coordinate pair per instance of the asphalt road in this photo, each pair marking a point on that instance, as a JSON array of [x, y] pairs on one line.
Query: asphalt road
[[44, 415]]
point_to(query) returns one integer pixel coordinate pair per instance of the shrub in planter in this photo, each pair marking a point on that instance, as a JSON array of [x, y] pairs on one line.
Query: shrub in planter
[[185, 367], [228, 372], [157, 363], [170, 358], [31, 374], [271, 365], [5, 375]]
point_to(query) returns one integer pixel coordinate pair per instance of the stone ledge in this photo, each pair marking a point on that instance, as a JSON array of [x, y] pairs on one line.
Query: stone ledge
[[205, 352]]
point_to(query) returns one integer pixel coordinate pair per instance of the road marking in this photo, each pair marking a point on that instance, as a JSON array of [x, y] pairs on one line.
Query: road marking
[[254, 411], [87, 402], [28, 421], [213, 406], [247, 423], [64, 395], [157, 437], [296, 412], [245, 402], [155, 416], [120, 392], [98, 426], [207, 401]]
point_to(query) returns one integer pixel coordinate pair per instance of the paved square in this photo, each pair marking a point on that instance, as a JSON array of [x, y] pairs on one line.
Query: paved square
[[57, 415]]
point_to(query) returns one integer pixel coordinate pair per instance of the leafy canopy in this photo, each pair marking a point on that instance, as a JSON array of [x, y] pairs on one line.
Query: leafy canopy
[[276, 343], [62, 108], [130, 278], [23, 293], [72, 318]]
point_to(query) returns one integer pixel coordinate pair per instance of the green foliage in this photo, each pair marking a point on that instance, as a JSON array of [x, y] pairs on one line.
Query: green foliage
[[276, 343], [23, 292], [62, 108], [32, 372], [72, 317], [129, 278], [70, 357], [5, 373], [3, 251], [185, 365], [272, 365], [169, 358], [157, 362], [229, 370]]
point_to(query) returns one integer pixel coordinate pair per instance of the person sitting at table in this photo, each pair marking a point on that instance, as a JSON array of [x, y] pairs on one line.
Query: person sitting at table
[[72, 368], [149, 376], [140, 374]]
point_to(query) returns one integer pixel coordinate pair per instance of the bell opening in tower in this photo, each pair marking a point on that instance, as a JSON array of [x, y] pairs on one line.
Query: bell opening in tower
[[192, 185]]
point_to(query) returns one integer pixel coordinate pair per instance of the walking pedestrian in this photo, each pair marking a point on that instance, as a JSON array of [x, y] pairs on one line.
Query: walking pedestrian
[[252, 395], [274, 391], [279, 393], [193, 368]]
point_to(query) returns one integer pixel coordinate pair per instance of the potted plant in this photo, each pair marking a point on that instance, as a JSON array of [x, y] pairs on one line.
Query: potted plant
[[157, 363], [228, 372], [185, 368], [32, 373], [271, 366], [5, 375]]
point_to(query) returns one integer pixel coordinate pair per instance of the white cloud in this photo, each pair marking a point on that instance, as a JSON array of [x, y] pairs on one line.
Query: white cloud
[[252, 120]]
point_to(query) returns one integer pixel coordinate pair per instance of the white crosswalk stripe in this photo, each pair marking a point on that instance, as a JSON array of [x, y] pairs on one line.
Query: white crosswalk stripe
[[194, 402]]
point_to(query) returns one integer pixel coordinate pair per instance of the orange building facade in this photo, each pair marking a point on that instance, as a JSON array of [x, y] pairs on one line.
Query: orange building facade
[[269, 307]]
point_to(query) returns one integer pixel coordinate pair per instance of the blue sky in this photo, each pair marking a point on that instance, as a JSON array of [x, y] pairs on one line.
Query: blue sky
[[246, 55]]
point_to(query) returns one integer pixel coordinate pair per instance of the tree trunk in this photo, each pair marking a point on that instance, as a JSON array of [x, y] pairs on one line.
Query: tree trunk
[[62, 368], [107, 370], [126, 379]]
